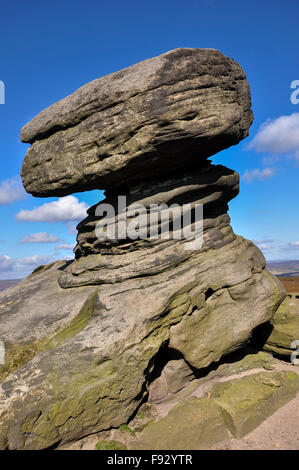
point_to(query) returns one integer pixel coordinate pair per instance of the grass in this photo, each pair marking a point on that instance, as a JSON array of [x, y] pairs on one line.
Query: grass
[[126, 428], [110, 445]]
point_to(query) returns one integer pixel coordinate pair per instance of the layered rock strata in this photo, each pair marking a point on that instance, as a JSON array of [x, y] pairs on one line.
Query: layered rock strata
[[149, 119], [85, 338]]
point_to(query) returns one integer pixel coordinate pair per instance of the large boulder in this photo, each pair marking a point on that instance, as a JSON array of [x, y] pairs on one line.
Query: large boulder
[[212, 186], [248, 401], [80, 360], [84, 338], [195, 423], [238, 405], [164, 113], [283, 329]]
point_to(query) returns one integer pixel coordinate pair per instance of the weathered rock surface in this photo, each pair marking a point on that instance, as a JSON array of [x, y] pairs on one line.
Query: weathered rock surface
[[246, 363], [175, 375], [171, 111], [213, 186], [92, 348], [110, 445], [238, 405], [248, 401], [195, 423], [85, 338], [283, 328]]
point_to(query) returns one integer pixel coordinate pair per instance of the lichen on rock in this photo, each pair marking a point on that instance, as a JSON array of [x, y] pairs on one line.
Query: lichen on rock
[[95, 328]]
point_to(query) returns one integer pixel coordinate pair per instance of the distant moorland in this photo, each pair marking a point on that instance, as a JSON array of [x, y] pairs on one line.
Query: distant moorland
[[285, 268], [9, 283]]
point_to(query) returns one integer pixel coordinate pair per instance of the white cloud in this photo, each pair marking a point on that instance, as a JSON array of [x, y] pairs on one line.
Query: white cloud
[[18, 268], [278, 136], [65, 246], [11, 268], [34, 260], [271, 159], [6, 263], [266, 240], [64, 209], [264, 245], [72, 227], [11, 190], [291, 246], [258, 175], [40, 237]]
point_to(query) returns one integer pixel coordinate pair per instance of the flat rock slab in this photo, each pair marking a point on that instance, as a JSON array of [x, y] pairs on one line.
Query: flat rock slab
[[238, 405], [284, 328], [195, 423], [79, 360], [248, 401], [168, 112]]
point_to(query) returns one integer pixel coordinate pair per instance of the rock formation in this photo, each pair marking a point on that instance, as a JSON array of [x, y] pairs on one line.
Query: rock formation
[[281, 334], [168, 112], [85, 339]]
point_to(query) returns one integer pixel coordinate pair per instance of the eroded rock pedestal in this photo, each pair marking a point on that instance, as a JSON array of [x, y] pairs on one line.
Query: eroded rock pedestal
[[85, 339]]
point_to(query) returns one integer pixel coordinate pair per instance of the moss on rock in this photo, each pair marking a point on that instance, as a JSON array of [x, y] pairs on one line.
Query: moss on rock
[[195, 423], [16, 355], [248, 401], [110, 445], [285, 329]]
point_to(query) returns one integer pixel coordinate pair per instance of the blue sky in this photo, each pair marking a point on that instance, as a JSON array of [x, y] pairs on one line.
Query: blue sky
[[49, 49]]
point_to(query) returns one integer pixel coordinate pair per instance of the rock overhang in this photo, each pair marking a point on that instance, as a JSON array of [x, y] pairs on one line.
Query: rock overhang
[[86, 337], [169, 112]]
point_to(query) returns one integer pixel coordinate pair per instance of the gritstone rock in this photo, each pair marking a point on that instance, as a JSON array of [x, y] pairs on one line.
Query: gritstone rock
[[84, 338]]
